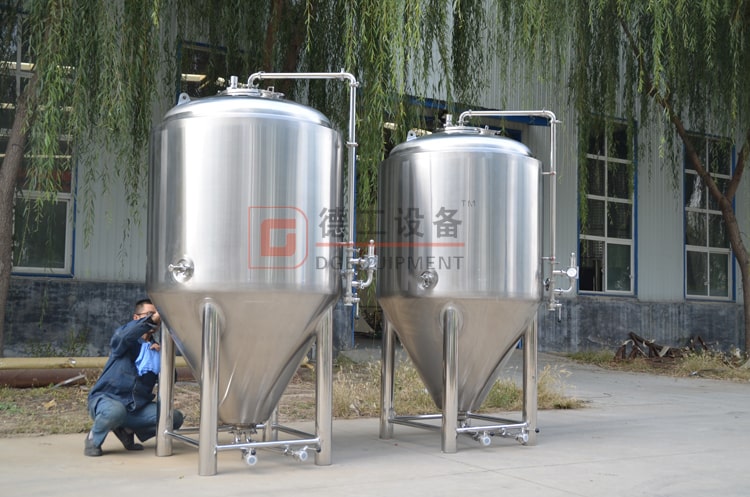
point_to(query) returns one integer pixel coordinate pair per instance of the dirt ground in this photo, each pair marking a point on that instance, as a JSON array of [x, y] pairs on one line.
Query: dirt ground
[[45, 411]]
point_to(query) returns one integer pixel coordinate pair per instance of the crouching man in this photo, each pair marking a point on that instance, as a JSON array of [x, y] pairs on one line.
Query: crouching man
[[122, 400]]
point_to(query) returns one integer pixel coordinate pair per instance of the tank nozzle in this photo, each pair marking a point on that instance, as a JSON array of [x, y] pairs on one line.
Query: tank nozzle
[[182, 270]]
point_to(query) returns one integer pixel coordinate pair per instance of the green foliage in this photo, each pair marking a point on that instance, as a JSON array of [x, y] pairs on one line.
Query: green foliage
[[597, 357], [9, 407], [97, 65], [695, 54], [107, 68]]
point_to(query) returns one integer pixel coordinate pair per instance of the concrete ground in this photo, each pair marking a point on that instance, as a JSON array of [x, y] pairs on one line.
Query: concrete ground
[[640, 435]]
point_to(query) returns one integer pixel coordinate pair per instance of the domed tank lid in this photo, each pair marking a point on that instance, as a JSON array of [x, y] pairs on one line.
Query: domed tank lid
[[454, 138], [250, 102]]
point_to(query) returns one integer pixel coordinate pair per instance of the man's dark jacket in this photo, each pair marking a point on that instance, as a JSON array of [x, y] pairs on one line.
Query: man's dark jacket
[[120, 379]]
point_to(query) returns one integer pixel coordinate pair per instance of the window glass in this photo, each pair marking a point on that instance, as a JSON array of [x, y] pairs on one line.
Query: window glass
[[719, 158], [719, 271], [606, 237], [596, 144], [620, 142], [591, 266], [595, 217], [697, 274], [41, 234], [707, 249], [717, 233], [721, 183], [618, 180], [199, 72], [595, 180], [619, 221], [695, 228], [618, 267], [694, 192]]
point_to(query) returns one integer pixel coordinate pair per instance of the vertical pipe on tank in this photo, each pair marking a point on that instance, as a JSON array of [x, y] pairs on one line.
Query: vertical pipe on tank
[[530, 380], [352, 138], [324, 385], [208, 438], [552, 119], [451, 324], [351, 145], [166, 394], [386, 381]]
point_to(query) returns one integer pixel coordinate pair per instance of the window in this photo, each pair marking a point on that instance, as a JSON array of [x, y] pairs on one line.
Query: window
[[197, 64], [606, 222], [42, 236], [707, 251], [43, 233]]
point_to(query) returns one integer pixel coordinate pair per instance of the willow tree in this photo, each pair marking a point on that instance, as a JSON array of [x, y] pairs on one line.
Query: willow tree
[[101, 70], [680, 63]]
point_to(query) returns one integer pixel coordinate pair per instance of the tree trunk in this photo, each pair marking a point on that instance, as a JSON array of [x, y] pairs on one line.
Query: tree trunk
[[745, 272], [8, 176], [724, 199], [743, 258]]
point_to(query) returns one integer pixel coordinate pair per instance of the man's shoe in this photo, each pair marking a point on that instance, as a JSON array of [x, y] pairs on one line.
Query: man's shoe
[[127, 439], [89, 449]]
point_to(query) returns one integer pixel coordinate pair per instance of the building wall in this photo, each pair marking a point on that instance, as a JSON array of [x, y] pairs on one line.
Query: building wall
[[604, 323], [65, 316], [109, 267]]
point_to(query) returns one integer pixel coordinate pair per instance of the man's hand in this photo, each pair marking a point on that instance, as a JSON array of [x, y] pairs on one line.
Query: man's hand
[[154, 320]]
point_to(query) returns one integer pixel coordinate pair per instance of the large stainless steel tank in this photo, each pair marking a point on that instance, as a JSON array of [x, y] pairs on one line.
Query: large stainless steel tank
[[460, 228], [244, 189]]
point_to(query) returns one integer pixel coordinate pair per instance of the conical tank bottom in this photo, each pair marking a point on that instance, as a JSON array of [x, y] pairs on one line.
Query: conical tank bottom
[[490, 329], [263, 338]]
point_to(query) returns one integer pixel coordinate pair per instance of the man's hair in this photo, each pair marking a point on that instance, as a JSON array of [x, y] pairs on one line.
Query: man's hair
[[139, 305]]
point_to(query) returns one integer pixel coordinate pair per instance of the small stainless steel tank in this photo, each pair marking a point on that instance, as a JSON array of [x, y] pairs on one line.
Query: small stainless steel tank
[[245, 194], [459, 218]]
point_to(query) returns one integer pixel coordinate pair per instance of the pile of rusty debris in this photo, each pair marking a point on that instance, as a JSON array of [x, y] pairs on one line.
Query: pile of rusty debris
[[639, 347]]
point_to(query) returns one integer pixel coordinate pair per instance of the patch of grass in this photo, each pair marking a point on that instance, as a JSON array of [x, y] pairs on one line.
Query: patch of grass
[[597, 357], [506, 395], [717, 366], [706, 364], [356, 392], [10, 407], [43, 410]]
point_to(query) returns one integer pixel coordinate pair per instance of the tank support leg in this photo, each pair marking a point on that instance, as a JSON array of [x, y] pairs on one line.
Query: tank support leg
[[208, 438], [451, 323], [324, 388], [530, 380], [165, 394], [271, 431], [386, 381]]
